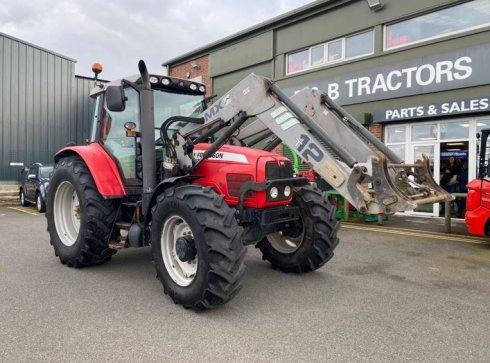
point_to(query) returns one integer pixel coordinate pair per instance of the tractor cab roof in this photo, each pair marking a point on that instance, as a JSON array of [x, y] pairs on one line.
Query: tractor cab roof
[[171, 84]]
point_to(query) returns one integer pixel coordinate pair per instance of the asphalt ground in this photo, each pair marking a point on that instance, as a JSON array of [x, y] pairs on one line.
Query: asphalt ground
[[388, 295]]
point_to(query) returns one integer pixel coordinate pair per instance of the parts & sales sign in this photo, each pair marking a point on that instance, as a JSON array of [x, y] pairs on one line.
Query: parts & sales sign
[[465, 106]]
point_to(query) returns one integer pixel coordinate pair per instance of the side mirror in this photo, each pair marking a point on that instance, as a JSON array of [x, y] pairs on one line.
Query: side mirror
[[115, 99]]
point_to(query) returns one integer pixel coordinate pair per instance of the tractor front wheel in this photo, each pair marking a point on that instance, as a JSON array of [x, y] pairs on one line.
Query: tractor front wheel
[[80, 220], [197, 247], [308, 243]]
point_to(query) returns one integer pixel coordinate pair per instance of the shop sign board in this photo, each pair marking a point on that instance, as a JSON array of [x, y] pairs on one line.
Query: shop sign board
[[455, 107], [462, 68]]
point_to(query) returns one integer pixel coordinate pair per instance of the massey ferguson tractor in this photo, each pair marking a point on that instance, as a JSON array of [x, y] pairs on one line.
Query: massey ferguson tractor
[[199, 184], [477, 215]]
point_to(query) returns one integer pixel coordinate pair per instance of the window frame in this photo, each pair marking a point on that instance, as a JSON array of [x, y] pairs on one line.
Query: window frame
[[353, 35], [308, 50], [431, 38], [325, 45], [311, 56]]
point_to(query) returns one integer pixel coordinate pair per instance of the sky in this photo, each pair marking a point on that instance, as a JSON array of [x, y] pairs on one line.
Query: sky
[[118, 33]]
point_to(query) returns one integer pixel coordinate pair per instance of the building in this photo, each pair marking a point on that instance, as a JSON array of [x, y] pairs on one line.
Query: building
[[43, 105], [416, 73]]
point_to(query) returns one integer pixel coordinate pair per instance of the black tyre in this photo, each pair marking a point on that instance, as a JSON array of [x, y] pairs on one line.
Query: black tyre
[[309, 243], [40, 203], [80, 220], [197, 247], [22, 198]]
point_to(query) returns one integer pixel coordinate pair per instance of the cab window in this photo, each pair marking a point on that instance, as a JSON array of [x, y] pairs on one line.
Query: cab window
[[113, 135]]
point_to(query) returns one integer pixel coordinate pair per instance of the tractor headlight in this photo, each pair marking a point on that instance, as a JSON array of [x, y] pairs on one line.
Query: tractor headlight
[[287, 191], [153, 79], [165, 81], [273, 192], [193, 86], [202, 89]]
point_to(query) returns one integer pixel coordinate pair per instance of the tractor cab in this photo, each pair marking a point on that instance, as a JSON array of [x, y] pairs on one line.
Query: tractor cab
[[118, 128]]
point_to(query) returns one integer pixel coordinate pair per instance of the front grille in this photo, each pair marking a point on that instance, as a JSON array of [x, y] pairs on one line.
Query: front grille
[[275, 171], [281, 170]]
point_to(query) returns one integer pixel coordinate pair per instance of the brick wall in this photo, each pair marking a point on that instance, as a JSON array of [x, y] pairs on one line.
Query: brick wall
[[376, 130], [187, 71]]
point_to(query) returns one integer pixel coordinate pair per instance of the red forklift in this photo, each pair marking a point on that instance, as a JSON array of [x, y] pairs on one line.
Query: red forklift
[[477, 215]]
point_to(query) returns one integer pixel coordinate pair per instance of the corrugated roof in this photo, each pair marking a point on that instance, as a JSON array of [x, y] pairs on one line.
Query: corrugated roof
[[277, 21], [37, 47]]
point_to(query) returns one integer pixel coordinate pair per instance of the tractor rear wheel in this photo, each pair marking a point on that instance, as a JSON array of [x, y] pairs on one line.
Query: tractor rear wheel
[[308, 243], [80, 220], [197, 247]]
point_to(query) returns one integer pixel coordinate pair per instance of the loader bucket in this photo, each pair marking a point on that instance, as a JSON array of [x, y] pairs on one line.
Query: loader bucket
[[400, 187]]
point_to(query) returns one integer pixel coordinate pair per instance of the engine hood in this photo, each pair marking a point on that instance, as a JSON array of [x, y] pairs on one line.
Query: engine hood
[[235, 154]]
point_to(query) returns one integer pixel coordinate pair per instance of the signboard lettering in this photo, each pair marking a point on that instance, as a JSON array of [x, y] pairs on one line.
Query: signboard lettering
[[471, 105], [459, 69]]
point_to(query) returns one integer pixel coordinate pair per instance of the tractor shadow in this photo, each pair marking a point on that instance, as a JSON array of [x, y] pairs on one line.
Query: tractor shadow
[[263, 287]]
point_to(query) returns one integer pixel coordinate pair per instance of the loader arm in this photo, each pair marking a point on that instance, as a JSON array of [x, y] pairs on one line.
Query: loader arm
[[338, 148]]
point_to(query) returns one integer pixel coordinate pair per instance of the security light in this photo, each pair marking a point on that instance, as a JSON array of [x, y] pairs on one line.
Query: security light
[[195, 65], [375, 5]]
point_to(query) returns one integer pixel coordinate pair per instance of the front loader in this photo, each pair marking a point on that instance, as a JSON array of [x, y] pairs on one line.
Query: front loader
[[162, 170]]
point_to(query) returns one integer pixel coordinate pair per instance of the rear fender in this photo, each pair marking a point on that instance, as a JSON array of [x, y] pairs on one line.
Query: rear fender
[[102, 168]]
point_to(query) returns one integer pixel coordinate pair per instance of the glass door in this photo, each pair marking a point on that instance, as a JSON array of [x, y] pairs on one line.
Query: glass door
[[430, 149]]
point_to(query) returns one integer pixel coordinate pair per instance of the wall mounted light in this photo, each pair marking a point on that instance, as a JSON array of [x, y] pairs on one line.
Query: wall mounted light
[[195, 65], [375, 5]]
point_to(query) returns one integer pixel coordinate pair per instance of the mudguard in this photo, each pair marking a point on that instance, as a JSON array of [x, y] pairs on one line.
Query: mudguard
[[167, 183], [101, 166]]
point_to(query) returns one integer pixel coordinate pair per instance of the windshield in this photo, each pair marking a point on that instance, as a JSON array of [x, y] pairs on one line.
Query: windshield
[[174, 104], [45, 171]]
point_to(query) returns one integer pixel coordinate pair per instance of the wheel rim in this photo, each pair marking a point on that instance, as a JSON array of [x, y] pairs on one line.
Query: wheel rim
[[38, 202], [284, 243], [66, 211], [181, 272]]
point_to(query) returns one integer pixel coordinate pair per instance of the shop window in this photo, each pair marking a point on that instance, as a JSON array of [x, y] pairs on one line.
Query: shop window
[[468, 16], [455, 130], [345, 48], [482, 124], [359, 44], [335, 51], [395, 134], [298, 61], [425, 132], [317, 55], [399, 150]]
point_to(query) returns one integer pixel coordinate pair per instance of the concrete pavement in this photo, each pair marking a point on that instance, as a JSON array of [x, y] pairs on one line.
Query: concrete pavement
[[384, 297]]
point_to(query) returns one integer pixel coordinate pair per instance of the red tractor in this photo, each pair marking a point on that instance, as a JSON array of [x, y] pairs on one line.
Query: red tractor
[[477, 215], [162, 170]]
